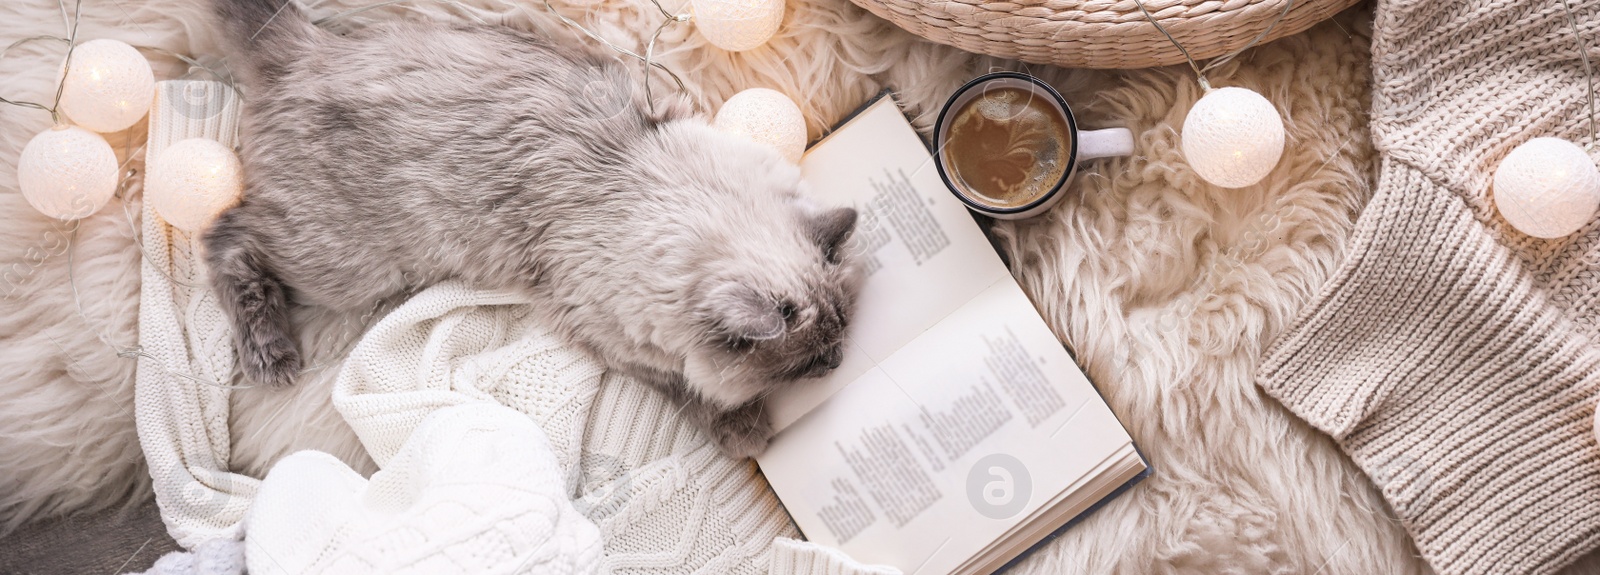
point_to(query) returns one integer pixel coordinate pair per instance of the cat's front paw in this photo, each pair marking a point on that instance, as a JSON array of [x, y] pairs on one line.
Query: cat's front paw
[[742, 432], [271, 363]]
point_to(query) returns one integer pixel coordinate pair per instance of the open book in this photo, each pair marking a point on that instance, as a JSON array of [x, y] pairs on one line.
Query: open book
[[958, 432]]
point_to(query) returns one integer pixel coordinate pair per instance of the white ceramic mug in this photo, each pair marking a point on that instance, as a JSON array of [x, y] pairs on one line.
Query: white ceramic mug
[[1086, 145]]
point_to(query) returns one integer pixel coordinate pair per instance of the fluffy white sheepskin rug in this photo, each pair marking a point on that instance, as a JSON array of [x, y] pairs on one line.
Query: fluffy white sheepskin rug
[[1167, 288]]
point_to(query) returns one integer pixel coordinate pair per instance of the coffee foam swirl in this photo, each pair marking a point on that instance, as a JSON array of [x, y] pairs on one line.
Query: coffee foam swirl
[[1007, 147]]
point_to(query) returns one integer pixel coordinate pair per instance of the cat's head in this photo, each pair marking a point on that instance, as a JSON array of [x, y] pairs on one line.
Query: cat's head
[[779, 319], [776, 279]]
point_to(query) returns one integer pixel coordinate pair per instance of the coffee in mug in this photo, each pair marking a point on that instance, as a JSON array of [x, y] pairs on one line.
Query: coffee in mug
[[1007, 148], [1007, 144]]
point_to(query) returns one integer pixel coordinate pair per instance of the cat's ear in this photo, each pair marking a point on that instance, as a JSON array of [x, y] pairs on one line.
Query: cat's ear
[[743, 314], [830, 229]]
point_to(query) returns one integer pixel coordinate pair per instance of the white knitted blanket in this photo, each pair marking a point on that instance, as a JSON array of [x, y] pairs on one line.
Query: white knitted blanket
[[501, 448]]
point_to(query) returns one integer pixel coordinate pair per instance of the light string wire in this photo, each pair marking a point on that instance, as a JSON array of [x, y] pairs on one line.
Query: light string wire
[[72, 43], [1588, 70], [1199, 72], [650, 47], [648, 59], [226, 80]]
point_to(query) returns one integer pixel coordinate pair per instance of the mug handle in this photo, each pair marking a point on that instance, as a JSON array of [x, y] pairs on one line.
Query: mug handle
[[1107, 143]]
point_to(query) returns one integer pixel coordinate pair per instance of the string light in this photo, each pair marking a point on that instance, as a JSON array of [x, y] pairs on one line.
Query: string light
[[737, 25], [107, 86], [62, 187], [1232, 137], [1549, 187], [765, 116], [193, 181], [67, 172]]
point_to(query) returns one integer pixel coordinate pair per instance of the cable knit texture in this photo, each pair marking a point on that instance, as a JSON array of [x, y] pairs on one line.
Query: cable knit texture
[[1453, 357]]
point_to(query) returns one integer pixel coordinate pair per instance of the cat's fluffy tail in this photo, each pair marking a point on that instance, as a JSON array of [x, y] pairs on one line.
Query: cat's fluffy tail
[[264, 34]]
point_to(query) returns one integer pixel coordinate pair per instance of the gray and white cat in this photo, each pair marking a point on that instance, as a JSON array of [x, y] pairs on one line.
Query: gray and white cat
[[409, 153]]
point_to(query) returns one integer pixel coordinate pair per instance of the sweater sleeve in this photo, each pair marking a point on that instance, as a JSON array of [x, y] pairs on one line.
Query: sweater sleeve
[[1452, 357], [1449, 379]]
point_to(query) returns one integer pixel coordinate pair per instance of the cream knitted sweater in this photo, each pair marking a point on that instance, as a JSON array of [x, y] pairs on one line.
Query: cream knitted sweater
[[1452, 357]]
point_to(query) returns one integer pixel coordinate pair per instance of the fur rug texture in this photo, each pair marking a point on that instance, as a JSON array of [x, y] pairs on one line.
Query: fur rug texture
[[1167, 288]]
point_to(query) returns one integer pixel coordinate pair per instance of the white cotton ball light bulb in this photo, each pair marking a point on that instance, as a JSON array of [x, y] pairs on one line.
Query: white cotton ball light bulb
[[737, 25], [766, 116], [1233, 137], [108, 87], [67, 172], [1547, 188], [192, 181]]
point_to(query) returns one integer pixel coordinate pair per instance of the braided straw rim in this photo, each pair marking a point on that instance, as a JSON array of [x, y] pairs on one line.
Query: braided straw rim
[[1100, 33]]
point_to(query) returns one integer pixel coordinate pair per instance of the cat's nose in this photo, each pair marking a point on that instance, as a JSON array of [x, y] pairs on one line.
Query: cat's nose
[[825, 362], [835, 356]]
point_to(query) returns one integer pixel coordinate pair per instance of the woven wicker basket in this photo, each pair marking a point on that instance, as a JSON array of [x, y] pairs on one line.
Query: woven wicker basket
[[1099, 33]]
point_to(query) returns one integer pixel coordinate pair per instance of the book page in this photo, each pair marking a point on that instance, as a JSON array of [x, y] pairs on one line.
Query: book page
[[957, 416], [924, 256], [942, 449]]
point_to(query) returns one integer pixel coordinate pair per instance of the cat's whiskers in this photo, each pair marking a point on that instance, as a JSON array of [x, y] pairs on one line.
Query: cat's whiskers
[[722, 374]]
